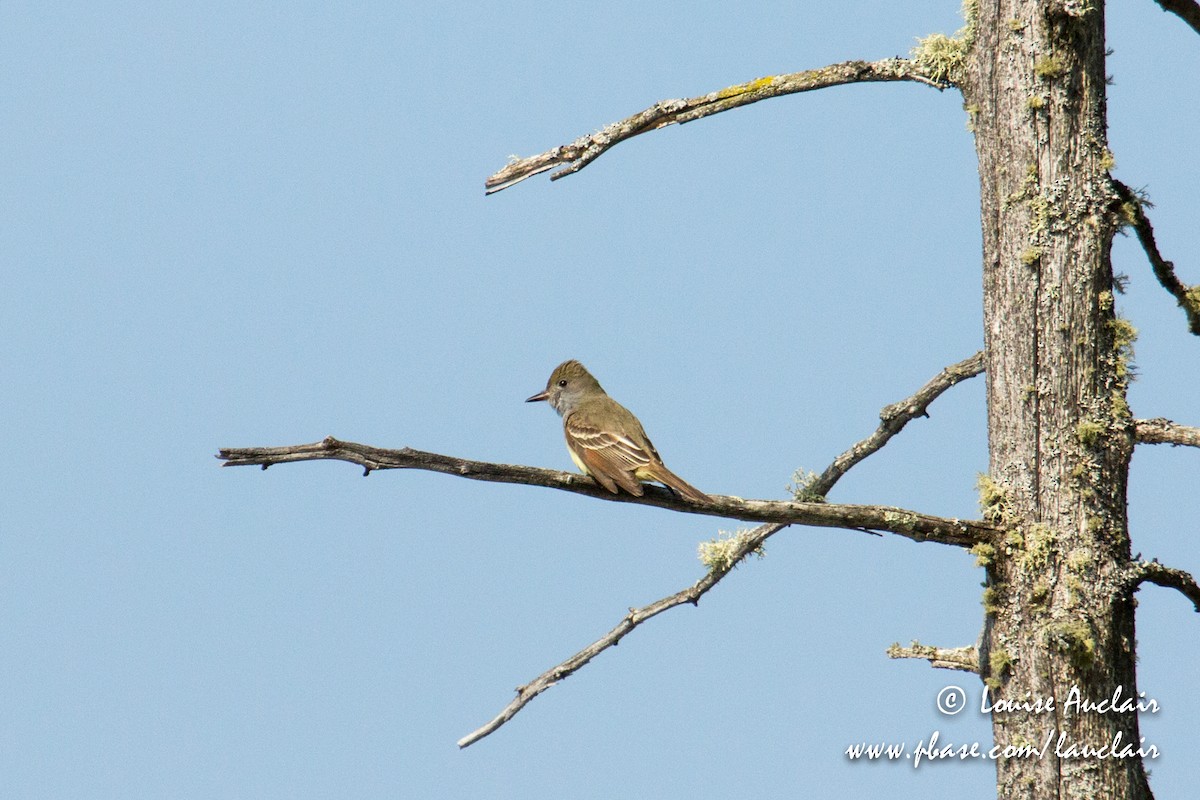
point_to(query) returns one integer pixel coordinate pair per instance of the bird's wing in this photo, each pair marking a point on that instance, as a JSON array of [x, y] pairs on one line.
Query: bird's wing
[[610, 457]]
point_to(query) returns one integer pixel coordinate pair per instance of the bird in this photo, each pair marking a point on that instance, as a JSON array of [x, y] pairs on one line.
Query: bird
[[605, 440]]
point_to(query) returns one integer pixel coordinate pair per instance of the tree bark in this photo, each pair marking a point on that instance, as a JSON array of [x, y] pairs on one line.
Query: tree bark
[[1059, 616]]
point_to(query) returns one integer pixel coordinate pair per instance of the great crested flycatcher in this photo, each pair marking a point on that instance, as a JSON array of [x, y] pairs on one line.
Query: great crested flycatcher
[[604, 439]]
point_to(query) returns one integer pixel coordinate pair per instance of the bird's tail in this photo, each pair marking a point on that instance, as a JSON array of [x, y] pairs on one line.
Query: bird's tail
[[658, 472]]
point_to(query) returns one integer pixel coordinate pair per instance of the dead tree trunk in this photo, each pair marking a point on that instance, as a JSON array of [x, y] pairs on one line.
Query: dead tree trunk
[[1060, 622]]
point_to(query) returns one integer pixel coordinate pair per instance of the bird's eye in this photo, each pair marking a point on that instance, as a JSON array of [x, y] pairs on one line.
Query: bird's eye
[[563, 382]]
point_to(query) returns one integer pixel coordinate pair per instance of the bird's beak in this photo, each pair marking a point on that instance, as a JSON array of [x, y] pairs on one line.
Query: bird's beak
[[545, 395]]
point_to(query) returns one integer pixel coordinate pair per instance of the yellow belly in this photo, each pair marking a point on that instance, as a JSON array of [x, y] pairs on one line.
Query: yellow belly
[[579, 463]]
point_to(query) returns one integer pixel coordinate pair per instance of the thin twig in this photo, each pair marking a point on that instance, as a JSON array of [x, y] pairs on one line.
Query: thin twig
[[1186, 10], [581, 152], [1188, 297], [1163, 431], [750, 542], [960, 658], [1168, 577], [910, 524], [893, 418]]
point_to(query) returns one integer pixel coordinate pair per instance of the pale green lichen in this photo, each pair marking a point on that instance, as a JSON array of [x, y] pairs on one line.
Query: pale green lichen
[[900, 521], [1089, 433], [1129, 213], [1079, 560], [1078, 8], [1076, 591], [1039, 545], [984, 554], [1048, 67], [1075, 640], [993, 600], [1041, 208], [1028, 188], [1031, 255], [1120, 406], [1000, 661], [727, 550], [992, 501], [1124, 334], [746, 88], [1130, 210], [943, 57], [1191, 298], [801, 487], [972, 110]]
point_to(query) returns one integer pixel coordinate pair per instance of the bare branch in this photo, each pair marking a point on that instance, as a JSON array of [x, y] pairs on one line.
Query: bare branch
[[747, 544], [1188, 297], [1163, 431], [581, 152], [910, 524], [893, 418], [1168, 577], [1186, 10], [960, 658]]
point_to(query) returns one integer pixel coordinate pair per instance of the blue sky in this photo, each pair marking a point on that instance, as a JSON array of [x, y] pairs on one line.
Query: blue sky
[[259, 224]]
